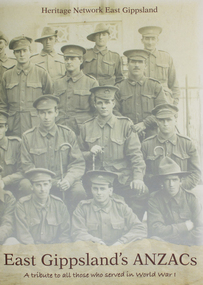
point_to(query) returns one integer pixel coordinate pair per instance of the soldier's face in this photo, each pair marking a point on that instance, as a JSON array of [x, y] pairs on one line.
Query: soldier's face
[[150, 42], [48, 43], [101, 192], [41, 189], [72, 63], [136, 67], [47, 117], [22, 55], [3, 130], [171, 184], [104, 107], [101, 39], [167, 125], [2, 46]]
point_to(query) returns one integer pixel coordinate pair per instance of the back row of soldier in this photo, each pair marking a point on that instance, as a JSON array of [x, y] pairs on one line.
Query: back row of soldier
[[108, 143]]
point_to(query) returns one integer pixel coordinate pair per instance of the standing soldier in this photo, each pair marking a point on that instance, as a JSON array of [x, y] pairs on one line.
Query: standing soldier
[[22, 85], [139, 94], [103, 64], [172, 144], [41, 217], [104, 219], [5, 62], [11, 176], [160, 64], [55, 147], [76, 103], [110, 140], [48, 58]]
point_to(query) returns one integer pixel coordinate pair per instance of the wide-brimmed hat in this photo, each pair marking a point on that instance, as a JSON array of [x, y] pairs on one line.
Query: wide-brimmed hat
[[100, 28], [168, 166], [150, 30], [46, 33]]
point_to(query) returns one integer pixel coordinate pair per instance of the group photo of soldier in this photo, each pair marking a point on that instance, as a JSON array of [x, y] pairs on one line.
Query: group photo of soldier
[[89, 152]]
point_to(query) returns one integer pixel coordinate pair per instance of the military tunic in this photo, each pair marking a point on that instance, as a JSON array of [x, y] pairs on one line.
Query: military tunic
[[181, 149], [42, 149], [167, 216], [20, 89], [136, 100], [105, 66], [7, 205], [160, 66], [10, 161], [115, 222], [76, 101], [53, 62], [36, 223], [121, 147], [5, 64]]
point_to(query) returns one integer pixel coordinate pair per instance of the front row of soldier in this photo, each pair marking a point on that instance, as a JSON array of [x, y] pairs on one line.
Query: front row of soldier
[[174, 215], [111, 147]]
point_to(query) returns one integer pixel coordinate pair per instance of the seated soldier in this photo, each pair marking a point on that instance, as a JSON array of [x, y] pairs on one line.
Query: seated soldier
[[174, 215], [11, 177], [41, 217], [115, 147], [174, 145], [7, 205], [55, 147], [104, 219]]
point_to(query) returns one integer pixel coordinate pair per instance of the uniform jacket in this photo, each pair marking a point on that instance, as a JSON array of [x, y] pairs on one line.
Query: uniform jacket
[[53, 62], [7, 205], [10, 160], [5, 64], [75, 98], [105, 66], [41, 149], [167, 216], [20, 89], [121, 147], [181, 149], [160, 66], [136, 100], [112, 223], [36, 224]]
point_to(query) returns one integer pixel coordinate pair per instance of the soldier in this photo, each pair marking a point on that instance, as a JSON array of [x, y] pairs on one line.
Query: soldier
[[160, 64], [103, 64], [48, 58], [174, 215], [76, 103], [180, 148], [138, 94], [5, 62], [110, 141], [104, 219], [7, 205], [54, 147], [22, 85], [11, 176], [41, 217]]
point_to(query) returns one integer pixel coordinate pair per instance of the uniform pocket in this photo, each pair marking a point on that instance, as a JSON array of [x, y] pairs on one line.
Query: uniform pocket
[[162, 71], [108, 67], [126, 104], [12, 92], [82, 99], [34, 91], [147, 103]]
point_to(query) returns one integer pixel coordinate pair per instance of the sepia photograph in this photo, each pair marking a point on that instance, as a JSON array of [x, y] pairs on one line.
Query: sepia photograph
[[101, 142]]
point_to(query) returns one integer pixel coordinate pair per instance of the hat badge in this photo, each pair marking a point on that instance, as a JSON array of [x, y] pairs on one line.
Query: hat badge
[[106, 91]]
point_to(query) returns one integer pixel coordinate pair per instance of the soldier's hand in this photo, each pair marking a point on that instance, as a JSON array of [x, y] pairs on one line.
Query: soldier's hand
[[2, 184], [64, 184], [139, 186], [189, 224], [96, 149], [139, 127]]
